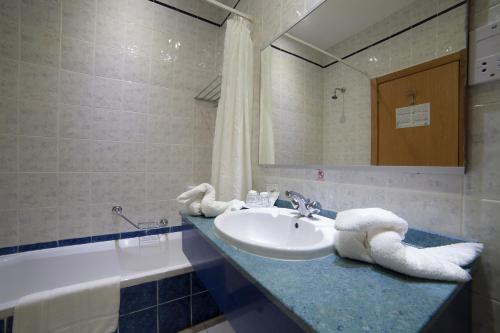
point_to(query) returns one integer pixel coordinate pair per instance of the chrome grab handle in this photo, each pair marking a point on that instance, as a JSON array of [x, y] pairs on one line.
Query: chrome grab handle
[[118, 210]]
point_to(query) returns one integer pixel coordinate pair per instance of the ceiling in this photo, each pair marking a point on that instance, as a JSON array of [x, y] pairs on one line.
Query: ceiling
[[336, 20]]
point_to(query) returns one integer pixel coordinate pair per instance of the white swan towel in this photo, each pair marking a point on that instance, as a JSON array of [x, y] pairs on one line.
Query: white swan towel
[[375, 235], [200, 200]]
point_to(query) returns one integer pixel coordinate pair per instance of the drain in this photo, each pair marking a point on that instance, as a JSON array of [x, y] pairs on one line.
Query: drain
[[296, 225]]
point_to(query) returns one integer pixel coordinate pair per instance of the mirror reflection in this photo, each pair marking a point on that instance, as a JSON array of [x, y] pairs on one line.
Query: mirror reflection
[[366, 83]]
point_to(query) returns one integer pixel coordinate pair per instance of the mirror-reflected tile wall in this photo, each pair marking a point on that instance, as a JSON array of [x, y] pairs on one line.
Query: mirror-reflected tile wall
[[97, 109], [311, 128], [465, 205]]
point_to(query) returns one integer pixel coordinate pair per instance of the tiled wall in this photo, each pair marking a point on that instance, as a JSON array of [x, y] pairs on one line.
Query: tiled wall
[[97, 109], [349, 142], [465, 205], [297, 98], [165, 306]]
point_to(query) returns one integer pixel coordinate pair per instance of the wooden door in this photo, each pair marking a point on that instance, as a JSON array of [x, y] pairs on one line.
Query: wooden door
[[436, 144]]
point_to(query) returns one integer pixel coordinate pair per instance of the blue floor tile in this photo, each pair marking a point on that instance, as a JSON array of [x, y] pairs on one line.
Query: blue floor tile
[[174, 316], [139, 322], [173, 288], [204, 308], [138, 297]]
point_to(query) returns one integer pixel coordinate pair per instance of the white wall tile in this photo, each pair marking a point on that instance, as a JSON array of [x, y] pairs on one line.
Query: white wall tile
[[77, 55], [38, 83], [8, 78], [39, 46], [10, 226], [136, 68], [76, 88], [37, 118], [73, 189], [76, 136], [74, 155], [37, 190], [74, 221], [37, 225], [8, 158], [43, 13], [109, 62], [135, 97], [8, 116], [78, 19], [75, 122], [8, 191], [108, 93], [37, 154]]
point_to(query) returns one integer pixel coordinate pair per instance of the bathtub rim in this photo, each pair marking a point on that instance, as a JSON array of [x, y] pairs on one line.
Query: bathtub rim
[[7, 308]]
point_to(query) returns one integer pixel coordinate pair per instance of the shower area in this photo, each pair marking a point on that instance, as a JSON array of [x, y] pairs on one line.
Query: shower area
[[97, 109], [314, 103]]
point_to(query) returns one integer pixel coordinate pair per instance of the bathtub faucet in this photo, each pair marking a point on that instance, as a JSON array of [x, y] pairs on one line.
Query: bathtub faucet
[[305, 206], [118, 210]]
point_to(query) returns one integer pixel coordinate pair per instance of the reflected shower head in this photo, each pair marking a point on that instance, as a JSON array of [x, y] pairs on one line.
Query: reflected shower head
[[342, 90]]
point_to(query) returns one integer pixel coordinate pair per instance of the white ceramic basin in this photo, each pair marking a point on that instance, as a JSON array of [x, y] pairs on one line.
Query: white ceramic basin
[[277, 233]]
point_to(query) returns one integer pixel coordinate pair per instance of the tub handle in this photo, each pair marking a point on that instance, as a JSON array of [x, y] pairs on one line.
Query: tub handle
[[118, 210]]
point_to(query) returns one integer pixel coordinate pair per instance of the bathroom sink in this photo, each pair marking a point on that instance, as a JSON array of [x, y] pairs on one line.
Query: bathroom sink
[[277, 233]]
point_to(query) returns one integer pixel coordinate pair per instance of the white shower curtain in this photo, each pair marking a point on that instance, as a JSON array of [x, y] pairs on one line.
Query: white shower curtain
[[231, 164], [266, 139]]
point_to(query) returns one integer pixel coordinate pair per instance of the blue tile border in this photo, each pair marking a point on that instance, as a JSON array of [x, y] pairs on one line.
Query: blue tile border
[[74, 241], [8, 250], [91, 239], [37, 246]]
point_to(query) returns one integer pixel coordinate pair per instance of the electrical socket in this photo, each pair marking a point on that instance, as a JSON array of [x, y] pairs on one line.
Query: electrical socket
[[484, 55], [487, 68]]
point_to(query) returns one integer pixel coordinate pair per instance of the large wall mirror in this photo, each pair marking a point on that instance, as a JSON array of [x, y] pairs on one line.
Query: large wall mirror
[[359, 83]]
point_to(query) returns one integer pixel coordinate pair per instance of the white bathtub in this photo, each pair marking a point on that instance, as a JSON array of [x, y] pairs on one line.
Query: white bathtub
[[135, 260]]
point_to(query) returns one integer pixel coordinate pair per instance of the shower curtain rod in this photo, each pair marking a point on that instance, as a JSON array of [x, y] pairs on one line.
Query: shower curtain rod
[[348, 64], [230, 9]]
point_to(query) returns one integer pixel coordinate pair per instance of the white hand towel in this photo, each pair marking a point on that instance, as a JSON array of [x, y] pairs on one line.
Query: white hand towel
[[84, 308], [201, 200], [375, 235]]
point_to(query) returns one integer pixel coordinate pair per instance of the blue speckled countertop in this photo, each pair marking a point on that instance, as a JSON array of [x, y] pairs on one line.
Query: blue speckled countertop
[[333, 294]]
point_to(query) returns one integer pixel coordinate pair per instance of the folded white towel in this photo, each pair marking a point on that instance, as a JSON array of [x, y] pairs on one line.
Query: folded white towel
[[201, 200], [85, 308], [375, 235]]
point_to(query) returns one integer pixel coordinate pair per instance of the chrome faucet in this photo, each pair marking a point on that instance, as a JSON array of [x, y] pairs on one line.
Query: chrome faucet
[[305, 206]]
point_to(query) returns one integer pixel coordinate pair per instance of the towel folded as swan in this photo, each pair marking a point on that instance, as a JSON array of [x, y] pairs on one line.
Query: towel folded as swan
[[200, 200], [375, 235]]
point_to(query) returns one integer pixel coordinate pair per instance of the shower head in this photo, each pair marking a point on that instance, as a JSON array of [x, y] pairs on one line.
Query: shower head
[[342, 90]]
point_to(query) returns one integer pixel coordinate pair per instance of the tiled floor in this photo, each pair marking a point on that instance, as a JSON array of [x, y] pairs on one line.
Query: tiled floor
[[217, 325]]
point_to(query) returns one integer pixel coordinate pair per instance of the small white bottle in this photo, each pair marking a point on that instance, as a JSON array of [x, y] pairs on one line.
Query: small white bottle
[[264, 199], [253, 199]]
